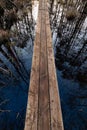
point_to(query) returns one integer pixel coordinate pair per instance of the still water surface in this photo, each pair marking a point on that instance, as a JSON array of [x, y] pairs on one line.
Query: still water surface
[[69, 66]]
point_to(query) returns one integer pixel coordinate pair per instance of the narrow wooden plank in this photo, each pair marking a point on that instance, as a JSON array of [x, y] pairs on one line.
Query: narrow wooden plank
[[44, 112], [43, 109], [41, 7], [56, 119], [55, 107], [32, 106]]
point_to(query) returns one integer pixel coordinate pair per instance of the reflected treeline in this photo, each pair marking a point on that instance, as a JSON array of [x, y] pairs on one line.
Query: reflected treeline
[[68, 20], [16, 29]]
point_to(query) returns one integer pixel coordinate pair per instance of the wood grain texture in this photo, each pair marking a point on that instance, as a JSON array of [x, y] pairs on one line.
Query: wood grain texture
[[32, 106], [55, 107], [44, 112], [43, 107]]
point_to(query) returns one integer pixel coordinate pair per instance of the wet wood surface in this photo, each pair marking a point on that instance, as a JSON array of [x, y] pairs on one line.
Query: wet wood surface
[[43, 107]]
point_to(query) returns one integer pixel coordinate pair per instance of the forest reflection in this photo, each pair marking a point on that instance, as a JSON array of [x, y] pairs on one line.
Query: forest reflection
[[17, 32], [68, 20]]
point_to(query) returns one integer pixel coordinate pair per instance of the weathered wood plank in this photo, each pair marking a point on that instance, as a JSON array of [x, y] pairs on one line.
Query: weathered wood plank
[[43, 109], [32, 106], [44, 112], [55, 107]]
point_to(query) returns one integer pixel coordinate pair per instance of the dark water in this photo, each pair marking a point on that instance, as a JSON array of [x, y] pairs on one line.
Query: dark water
[[70, 48], [74, 103], [15, 68]]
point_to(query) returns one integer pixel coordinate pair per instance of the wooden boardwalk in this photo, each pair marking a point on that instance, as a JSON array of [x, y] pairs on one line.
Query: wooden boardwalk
[[43, 108]]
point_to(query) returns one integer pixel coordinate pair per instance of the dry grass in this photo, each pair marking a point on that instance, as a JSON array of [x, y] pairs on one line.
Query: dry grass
[[19, 4], [84, 0], [63, 2], [25, 12], [2, 3], [11, 15], [71, 14], [4, 35], [71, 3]]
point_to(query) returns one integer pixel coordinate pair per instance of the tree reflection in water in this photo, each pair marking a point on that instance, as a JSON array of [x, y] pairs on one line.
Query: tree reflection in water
[[68, 19], [70, 37], [17, 31]]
